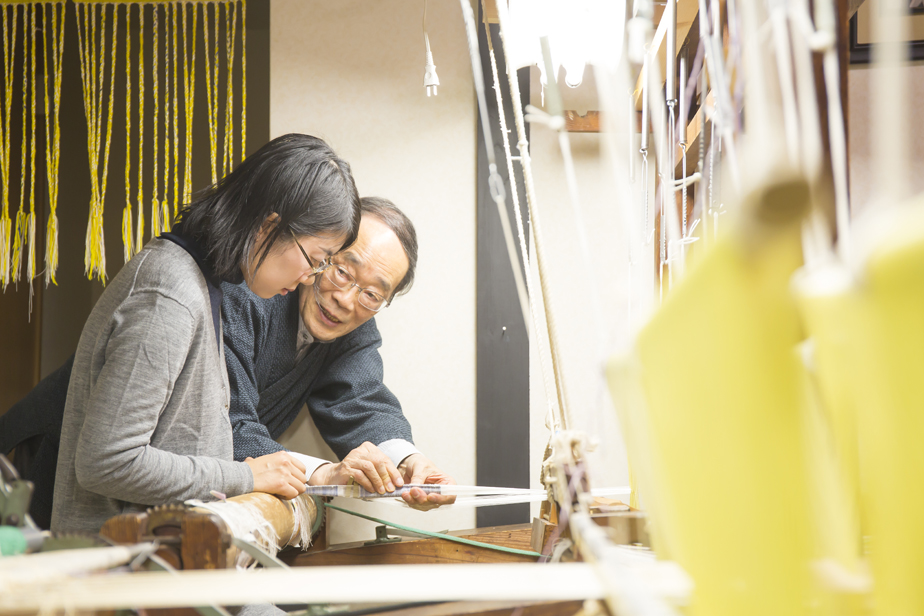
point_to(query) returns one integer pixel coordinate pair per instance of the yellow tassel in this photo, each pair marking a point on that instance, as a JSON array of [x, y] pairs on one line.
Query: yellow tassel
[[211, 84], [128, 249], [230, 33], [93, 73], [30, 258], [53, 140], [168, 118], [6, 224], [175, 167], [155, 201], [30, 219], [5, 249], [51, 250], [19, 239], [139, 232], [189, 73]]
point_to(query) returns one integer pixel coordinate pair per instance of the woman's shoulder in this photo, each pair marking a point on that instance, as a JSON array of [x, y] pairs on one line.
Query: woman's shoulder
[[167, 269]]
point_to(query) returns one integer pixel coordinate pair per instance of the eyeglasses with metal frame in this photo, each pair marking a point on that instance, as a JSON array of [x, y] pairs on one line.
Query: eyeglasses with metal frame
[[338, 276], [315, 270]]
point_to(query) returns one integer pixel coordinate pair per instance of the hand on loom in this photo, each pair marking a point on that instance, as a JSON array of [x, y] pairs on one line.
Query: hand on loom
[[418, 469], [367, 465], [278, 473]]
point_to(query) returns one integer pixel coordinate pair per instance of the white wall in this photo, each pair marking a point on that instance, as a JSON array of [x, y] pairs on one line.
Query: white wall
[[351, 72], [859, 84]]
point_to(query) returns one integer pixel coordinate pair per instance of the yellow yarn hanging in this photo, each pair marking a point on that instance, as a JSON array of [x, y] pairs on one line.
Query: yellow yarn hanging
[[156, 220], [211, 85], [6, 224], [128, 249], [53, 131], [168, 117], [175, 167], [93, 73], [30, 223], [230, 35], [139, 230], [97, 47], [22, 219], [189, 74]]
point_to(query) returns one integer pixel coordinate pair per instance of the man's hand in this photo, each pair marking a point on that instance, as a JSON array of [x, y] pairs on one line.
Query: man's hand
[[278, 473], [417, 469], [367, 465]]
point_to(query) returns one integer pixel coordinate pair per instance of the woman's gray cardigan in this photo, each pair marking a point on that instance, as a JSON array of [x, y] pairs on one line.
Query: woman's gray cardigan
[[146, 419]]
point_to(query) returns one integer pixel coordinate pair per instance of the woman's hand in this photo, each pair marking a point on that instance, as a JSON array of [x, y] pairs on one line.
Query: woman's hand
[[367, 465], [278, 473]]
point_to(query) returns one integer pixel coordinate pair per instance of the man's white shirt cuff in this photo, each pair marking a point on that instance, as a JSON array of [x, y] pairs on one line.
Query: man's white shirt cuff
[[311, 463], [397, 449]]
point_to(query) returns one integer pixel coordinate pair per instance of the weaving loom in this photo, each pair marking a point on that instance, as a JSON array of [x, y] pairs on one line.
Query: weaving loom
[[766, 374]]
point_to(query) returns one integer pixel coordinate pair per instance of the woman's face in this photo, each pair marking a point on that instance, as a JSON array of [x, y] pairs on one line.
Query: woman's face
[[285, 267]]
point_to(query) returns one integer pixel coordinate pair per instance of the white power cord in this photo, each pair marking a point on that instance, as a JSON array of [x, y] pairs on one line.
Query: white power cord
[[430, 80]]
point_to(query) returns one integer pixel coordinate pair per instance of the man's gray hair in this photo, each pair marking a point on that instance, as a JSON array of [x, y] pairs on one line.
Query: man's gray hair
[[401, 225]]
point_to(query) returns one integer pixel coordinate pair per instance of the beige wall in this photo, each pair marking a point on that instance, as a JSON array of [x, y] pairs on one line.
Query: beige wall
[[859, 83], [351, 72]]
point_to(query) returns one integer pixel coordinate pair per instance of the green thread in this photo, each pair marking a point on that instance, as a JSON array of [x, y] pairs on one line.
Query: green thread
[[319, 518], [477, 544]]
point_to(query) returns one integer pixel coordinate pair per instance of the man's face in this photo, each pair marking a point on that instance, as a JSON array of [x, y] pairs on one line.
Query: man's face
[[378, 264]]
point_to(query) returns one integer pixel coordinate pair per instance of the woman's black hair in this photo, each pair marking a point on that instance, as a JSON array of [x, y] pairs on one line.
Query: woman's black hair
[[297, 177]]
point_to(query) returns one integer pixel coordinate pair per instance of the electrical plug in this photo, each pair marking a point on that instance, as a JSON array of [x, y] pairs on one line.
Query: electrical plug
[[430, 79]]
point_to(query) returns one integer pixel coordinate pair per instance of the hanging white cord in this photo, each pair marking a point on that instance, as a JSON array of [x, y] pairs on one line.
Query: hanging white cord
[[611, 86], [670, 225], [495, 183], [784, 73], [556, 121], [547, 381], [562, 421]]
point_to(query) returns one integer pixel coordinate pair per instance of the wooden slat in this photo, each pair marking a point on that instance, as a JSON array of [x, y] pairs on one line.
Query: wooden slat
[[422, 551], [490, 11], [686, 16], [587, 123]]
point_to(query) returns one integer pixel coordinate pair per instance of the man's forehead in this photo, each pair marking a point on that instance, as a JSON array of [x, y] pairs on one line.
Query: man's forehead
[[377, 279]]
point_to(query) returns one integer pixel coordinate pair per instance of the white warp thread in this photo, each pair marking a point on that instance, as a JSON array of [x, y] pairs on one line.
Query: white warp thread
[[302, 514], [245, 522]]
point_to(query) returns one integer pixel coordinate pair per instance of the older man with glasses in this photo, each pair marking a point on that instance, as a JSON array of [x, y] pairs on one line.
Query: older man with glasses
[[321, 348]]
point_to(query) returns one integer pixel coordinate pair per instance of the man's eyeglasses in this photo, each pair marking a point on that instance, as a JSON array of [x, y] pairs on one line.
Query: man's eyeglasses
[[315, 269], [338, 276]]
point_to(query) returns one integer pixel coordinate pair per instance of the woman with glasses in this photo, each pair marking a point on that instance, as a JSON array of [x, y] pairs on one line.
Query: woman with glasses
[[146, 419]]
